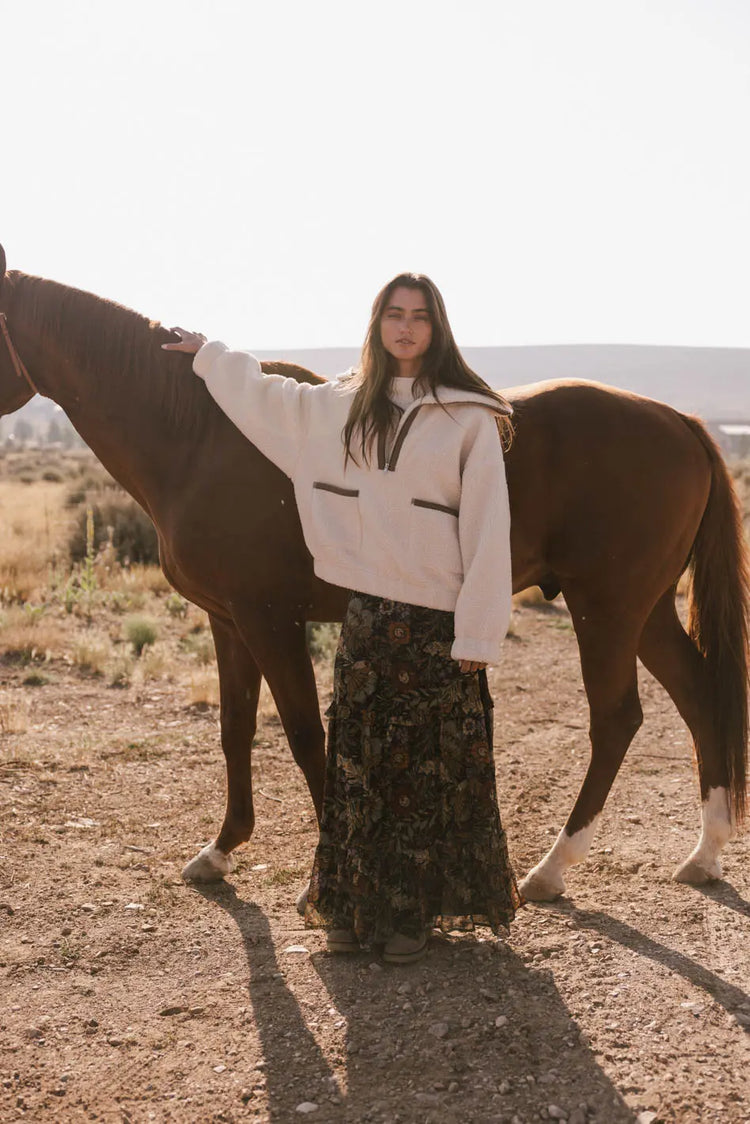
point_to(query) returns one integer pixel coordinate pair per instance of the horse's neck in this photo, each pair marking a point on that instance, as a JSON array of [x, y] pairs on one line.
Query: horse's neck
[[125, 418]]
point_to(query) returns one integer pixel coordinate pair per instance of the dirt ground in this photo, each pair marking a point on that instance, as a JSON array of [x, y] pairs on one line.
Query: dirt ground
[[129, 996]]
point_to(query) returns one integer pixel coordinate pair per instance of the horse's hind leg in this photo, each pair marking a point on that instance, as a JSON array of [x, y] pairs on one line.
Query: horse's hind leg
[[239, 678], [607, 648], [670, 655]]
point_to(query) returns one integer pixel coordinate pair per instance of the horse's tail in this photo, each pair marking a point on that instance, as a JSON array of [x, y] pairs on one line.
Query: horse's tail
[[718, 616]]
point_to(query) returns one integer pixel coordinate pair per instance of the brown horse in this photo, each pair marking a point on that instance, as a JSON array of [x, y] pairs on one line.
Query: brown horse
[[612, 496]]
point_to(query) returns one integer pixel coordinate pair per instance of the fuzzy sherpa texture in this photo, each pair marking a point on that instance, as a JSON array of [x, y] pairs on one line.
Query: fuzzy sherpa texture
[[433, 529]]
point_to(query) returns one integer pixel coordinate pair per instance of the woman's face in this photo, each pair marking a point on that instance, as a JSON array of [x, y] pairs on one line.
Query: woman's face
[[406, 328]]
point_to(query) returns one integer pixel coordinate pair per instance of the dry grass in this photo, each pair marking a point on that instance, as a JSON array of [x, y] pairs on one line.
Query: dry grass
[[155, 663], [14, 713], [35, 524], [200, 645], [141, 632], [91, 654], [204, 688], [120, 670], [266, 706], [47, 464], [31, 634], [204, 691], [54, 610], [132, 580]]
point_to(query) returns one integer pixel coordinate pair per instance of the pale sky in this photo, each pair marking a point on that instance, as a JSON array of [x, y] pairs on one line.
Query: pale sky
[[567, 171]]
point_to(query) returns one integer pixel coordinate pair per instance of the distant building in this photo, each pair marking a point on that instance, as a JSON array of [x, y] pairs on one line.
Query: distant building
[[734, 439]]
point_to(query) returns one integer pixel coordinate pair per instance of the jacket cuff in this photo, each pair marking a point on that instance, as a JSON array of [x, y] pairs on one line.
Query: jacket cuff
[[480, 651], [206, 357]]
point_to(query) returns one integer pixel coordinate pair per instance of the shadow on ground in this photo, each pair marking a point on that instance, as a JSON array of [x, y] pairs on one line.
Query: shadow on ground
[[420, 1043], [728, 995]]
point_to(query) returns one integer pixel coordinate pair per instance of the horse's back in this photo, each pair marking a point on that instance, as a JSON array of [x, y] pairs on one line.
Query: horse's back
[[599, 479]]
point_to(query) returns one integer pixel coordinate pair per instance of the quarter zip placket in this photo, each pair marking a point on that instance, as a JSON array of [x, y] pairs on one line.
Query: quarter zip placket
[[388, 464]]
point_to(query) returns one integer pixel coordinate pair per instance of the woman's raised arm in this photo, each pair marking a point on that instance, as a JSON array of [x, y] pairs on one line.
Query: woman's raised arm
[[272, 411]]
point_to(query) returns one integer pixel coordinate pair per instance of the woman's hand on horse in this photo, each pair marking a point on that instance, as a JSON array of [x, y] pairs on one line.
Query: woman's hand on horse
[[471, 665], [190, 342]]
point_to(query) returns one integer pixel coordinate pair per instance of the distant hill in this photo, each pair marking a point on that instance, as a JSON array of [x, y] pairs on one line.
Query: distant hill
[[713, 382]]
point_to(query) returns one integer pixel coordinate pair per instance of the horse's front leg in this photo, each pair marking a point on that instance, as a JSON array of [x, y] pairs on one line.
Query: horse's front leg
[[239, 679], [280, 647], [609, 675]]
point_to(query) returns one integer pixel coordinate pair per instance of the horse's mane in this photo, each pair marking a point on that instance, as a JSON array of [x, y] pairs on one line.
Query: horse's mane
[[110, 341]]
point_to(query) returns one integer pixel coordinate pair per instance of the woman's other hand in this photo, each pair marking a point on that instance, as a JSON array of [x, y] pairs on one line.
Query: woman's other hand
[[190, 342], [471, 665]]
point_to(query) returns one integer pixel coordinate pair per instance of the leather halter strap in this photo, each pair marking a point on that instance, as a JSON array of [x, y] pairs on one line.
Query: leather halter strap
[[15, 358]]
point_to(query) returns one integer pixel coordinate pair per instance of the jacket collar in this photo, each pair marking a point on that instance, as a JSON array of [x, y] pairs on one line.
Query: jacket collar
[[448, 396]]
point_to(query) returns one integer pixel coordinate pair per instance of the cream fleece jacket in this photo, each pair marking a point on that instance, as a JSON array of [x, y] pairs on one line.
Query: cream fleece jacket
[[429, 524]]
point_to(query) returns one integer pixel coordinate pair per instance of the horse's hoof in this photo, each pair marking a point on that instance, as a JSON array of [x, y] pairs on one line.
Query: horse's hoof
[[302, 901], [536, 888], [209, 865], [695, 874]]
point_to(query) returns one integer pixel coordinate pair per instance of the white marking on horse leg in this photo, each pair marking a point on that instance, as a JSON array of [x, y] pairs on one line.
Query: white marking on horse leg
[[704, 863], [545, 881], [209, 865]]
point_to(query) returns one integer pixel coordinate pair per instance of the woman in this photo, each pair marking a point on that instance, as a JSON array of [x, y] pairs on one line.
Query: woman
[[400, 483]]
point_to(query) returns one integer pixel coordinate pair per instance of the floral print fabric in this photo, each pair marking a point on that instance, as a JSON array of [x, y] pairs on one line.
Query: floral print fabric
[[410, 834]]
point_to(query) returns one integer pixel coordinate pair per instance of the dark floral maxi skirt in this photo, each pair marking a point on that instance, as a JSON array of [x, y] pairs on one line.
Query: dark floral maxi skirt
[[410, 834]]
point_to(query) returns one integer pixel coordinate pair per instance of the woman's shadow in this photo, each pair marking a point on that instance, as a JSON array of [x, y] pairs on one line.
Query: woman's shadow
[[469, 1033]]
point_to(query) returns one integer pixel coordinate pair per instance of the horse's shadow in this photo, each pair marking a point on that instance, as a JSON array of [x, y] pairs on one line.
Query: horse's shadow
[[291, 1057], [726, 895], [420, 1043], [726, 994]]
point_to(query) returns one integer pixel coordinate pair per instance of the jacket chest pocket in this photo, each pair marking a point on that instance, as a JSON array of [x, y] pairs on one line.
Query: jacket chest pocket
[[336, 520], [433, 537]]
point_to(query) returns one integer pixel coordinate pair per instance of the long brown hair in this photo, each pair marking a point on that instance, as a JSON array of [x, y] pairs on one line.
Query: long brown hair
[[372, 414]]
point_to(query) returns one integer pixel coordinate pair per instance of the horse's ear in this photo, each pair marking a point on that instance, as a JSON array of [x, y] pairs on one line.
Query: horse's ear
[[2, 265]]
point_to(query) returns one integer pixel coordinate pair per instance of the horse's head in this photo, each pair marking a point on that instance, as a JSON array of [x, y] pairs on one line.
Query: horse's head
[[15, 386]]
